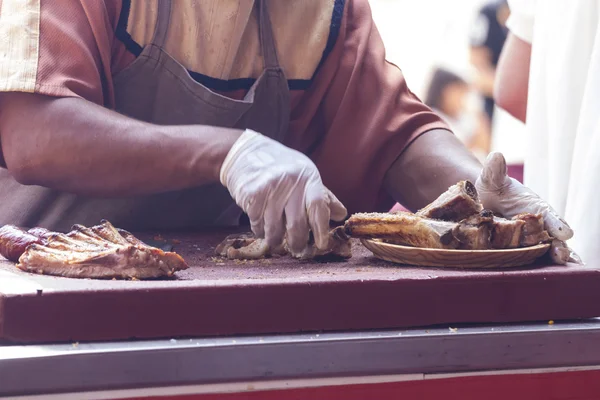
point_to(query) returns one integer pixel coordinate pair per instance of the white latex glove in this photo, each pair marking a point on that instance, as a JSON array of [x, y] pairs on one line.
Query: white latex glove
[[281, 191], [500, 193]]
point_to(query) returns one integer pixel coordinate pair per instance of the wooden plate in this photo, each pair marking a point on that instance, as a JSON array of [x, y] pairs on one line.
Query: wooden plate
[[455, 258]]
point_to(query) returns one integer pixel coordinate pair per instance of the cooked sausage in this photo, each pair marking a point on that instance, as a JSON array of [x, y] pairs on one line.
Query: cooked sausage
[[14, 241], [41, 233]]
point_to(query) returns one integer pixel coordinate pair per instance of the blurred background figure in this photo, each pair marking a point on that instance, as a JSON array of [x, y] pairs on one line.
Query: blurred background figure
[[487, 37], [486, 40], [464, 37], [451, 97]]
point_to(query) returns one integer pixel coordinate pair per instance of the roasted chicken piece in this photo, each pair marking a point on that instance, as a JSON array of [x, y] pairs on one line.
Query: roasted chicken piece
[[98, 252], [455, 204], [247, 246], [403, 228]]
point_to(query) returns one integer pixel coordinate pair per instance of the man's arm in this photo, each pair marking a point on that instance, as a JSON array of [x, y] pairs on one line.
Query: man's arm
[[512, 77], [74, 145], [431, 164]]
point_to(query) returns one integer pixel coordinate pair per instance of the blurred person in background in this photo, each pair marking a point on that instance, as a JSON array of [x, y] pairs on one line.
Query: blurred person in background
[[449, 95], [487, 38], [548, 78]]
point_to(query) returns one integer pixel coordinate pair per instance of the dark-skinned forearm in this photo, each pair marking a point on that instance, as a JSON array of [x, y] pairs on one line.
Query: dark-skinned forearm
[[435, 161], [72, 145]]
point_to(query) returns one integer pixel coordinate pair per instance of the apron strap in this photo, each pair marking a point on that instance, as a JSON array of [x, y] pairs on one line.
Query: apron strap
[[163, 16], [265, 34]]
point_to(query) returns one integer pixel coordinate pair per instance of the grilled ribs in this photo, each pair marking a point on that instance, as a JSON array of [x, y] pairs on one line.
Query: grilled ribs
[[455, 220], [97, 252], [403, 228]]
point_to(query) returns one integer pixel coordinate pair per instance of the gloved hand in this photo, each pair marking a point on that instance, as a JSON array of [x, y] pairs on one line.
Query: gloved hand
[[281, 191], [500, 193]]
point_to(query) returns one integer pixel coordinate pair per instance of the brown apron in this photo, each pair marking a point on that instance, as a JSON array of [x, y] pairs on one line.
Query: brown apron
[[157, 89]]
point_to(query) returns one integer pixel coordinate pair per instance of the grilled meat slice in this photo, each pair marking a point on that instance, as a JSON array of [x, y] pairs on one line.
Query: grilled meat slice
[[506, 233], [533, 232], [99, 252], [474, 232], [485, 231], [247, 246], [403, 228], [455, 204]]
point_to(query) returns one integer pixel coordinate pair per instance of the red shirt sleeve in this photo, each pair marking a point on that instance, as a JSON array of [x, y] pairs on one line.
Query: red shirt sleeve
[[358, 115], [66, 46]]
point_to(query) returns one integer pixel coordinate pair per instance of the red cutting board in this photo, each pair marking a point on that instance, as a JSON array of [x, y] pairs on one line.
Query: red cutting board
[[283, 295]]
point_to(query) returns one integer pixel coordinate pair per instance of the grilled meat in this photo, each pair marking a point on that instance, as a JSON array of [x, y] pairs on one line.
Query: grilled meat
[[455, 220], [457, 203], [98, 252], [480, 231], [247, 246], [533, 229], [403, 228], [339, 247], [474, 232], [506, 233], [244, 246]]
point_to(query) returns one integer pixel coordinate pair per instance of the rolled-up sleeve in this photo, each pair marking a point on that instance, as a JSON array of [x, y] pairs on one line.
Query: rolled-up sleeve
[[57, 48], [521, 19], [362, 115]]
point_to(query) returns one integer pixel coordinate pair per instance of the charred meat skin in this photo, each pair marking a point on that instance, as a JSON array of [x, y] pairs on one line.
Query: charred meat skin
[[14, 241], [404, 229], [457, 203], [99, 252]]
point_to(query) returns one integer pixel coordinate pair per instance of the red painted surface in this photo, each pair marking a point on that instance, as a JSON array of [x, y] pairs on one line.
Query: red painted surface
[[581, 385]]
